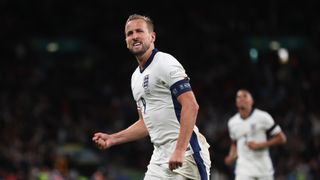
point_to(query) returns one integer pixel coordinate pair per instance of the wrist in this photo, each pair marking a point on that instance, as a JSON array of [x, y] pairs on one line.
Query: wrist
[[180, 150]]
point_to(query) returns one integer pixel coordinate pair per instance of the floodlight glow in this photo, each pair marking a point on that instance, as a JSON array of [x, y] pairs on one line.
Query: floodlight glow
[[283, 55], [52, 47], [274, 45]]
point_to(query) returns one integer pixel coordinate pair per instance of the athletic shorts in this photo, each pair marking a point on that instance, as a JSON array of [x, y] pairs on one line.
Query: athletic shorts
[[196, 165], [245, 177]]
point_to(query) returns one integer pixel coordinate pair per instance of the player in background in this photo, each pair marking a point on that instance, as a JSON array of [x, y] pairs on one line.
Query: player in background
[[249, 130], [167, 110]]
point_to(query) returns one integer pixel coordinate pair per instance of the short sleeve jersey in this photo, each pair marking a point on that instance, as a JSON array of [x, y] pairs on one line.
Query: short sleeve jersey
[[254, 128], [155, 90]]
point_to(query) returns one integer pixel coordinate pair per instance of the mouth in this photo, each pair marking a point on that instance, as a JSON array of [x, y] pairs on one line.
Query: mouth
[[136, 44]]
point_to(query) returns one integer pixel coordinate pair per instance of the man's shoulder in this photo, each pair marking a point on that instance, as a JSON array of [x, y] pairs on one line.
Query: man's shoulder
[[261, 112], [163, 54], [234, 119], [165, 62], [165, 57]]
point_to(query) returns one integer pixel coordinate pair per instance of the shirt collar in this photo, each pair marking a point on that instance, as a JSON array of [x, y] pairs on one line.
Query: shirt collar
[[150, 59]]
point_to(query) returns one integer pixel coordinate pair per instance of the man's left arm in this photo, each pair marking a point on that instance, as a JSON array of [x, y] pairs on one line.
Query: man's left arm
[[188, 118], [277, 139]]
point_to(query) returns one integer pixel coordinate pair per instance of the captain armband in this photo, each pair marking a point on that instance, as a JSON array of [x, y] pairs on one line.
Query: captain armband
[[180, 87]]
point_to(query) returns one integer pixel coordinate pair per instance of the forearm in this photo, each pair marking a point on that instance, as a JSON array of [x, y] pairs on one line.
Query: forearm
[[232, 156], [275, 140], [187, 123], [233, 151], [134, 132]]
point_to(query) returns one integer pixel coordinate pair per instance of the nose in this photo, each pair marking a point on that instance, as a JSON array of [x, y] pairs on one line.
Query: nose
[[240, 99], [135, 35]]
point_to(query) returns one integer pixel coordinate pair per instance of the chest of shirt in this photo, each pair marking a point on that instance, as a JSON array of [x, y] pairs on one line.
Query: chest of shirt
[[148, 84], [248, 128]]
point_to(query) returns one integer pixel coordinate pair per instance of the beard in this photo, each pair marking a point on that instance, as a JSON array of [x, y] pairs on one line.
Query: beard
[[241, 106], [140, 51]]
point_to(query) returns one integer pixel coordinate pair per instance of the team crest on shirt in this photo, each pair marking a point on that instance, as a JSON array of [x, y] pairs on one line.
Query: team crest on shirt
[[145, 84], [253, 127]]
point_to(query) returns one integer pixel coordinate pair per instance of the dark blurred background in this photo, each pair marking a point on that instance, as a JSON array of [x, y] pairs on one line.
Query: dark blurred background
[[65, 74]]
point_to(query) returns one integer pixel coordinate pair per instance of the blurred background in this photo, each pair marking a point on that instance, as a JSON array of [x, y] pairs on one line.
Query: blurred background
[[65, 74]]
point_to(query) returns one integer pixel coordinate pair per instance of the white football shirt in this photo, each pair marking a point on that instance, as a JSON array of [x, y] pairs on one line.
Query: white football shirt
[[254, 128], [155, 90], [151, 91]]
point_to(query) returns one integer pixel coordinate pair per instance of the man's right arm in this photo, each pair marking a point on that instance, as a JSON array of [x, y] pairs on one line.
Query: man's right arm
[[134, 132], [232, 156]]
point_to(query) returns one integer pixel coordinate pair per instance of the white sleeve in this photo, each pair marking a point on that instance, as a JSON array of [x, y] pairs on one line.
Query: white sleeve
[[231, 133], [271, 127], [171, 71]]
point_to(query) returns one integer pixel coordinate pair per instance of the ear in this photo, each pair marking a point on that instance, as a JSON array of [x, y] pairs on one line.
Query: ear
[[126, 43], [153, 36]]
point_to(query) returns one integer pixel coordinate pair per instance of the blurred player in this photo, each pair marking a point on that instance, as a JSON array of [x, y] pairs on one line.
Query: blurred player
[[249, 129], [167, 110]]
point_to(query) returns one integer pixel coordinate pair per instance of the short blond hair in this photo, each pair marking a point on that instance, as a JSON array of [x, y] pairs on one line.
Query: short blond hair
[[147, 19]]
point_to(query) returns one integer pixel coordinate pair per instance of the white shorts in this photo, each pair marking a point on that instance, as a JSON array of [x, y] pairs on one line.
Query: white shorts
[[196, 165], [245, 177]]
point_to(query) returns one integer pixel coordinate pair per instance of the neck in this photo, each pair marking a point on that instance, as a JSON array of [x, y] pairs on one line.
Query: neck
[[142, 59], [245, 112]]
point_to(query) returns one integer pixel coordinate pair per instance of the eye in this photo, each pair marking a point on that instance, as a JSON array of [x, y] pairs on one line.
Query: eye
[[129, 33], [140, 30]]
